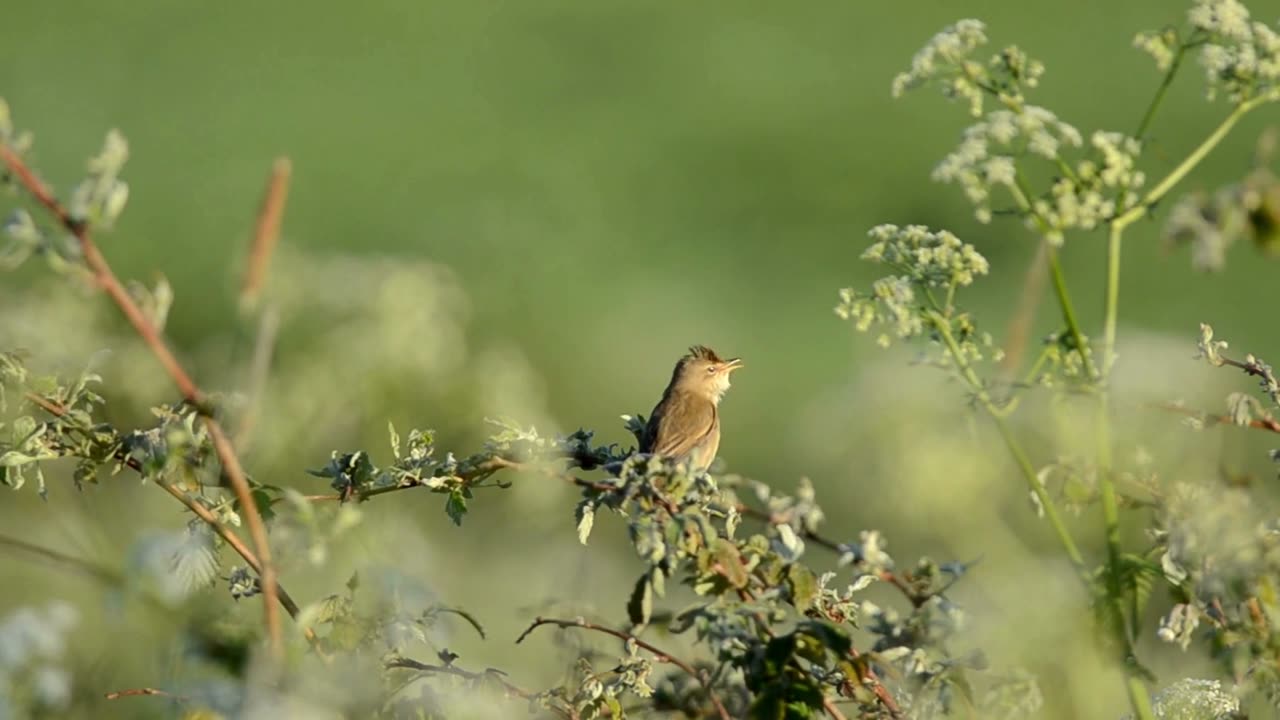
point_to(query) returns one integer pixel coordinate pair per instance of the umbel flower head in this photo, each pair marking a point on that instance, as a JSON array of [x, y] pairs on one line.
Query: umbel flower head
[[946, 59], [1240, 55], [901, 305]]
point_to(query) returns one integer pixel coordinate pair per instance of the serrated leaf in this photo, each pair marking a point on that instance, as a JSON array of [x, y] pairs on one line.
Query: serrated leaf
[[456, 506], [640, 605], [804, 587], [729, 560]]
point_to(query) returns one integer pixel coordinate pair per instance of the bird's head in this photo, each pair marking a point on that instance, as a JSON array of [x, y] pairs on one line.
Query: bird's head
[[704, 373]]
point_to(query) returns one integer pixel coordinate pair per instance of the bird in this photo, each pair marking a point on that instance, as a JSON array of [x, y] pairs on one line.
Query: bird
[[685, 424]]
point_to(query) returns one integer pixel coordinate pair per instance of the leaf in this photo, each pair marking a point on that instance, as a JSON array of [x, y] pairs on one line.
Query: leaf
[[471, 619], [456, 506], [263, 500], [640, 606], [13, 458], [831, 637], [804, 587], [726, 555], [586, 514]]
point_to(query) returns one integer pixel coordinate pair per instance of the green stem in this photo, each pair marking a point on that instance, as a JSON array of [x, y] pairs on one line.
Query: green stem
[[1187, 165], [1150, 114], [1111, 299], [1069, 312], [1006, 433]]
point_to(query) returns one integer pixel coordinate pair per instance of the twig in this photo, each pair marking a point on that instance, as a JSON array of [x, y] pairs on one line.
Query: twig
[[266, 232], [659, 655], [233, 540], [481, 471], [107, 280], [493, 674], [878, 688], [134, 692], [1267, 423]]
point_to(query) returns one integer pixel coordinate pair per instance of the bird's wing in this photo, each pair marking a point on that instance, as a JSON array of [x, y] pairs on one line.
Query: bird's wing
[[679, 425]]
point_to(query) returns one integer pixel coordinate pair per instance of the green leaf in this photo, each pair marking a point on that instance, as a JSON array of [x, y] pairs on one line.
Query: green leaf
[[640, 605], [831, 637], [804, 587], [726, 555], [456, 505], [13, 458]]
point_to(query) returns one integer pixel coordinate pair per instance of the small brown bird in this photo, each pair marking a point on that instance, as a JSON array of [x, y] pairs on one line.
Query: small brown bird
[[685, 424]]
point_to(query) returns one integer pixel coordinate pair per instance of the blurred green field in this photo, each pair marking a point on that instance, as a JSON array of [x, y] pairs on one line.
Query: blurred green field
[[532, 209]]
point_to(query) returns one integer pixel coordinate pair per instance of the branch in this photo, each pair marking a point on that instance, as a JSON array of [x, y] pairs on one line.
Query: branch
[[1268, 423], [134, 692], [488, 674], [107, 280], [659, 655], [266, 231], [233, 540]]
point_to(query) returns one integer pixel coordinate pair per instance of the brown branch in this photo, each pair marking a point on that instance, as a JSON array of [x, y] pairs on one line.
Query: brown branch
[[878, 687], [659, 655], [134, 692], [481, 471], [107, 280], [1268, 423], [1019, 330], [266, 231]]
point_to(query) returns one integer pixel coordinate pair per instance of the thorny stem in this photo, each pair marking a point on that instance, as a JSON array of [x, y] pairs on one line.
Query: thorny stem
[[659, 655], [107, 280]]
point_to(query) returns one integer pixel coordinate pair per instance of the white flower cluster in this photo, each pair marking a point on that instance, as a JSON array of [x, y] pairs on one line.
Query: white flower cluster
[[924, 260], [985, 156], [1161, 46], [1097, 191], [934, 259], [1084, 197], [946, 59], [1242, 56], [947, 56]]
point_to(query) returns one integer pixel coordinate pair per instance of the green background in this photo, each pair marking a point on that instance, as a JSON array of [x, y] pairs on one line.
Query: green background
[[606, 184]]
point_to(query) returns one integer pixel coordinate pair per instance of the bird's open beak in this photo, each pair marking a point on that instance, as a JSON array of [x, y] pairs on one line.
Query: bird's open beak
[[731, 365]]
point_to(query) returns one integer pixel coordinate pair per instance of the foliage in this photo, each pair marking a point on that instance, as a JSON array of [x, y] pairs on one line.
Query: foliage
[[772, 632]]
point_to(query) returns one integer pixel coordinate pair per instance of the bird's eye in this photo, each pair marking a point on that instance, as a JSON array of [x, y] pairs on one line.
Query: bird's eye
[[711, 369]]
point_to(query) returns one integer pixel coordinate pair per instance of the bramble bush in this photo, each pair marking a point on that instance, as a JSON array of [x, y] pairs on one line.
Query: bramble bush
[[741, 606]]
